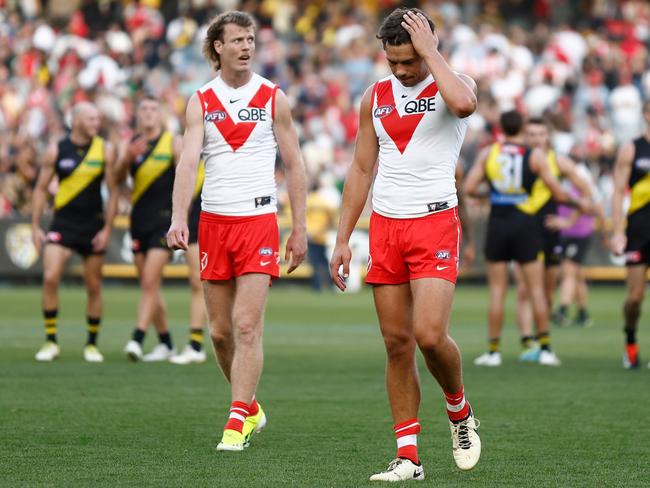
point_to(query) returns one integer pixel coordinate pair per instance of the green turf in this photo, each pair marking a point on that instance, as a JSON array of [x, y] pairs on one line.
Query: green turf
[[122, 424]]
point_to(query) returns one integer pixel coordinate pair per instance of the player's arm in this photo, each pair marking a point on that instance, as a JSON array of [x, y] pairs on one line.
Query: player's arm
[[45, 175], [127, 154], [568, 169], [355, 191], [458, 90], [622, 170], [287, 139], [476, 175], [100, 241], [539, 165], [468, 248], [185, 179]]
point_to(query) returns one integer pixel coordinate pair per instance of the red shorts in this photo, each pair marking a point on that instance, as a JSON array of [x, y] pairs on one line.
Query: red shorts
[[407, 249], [234, 246]]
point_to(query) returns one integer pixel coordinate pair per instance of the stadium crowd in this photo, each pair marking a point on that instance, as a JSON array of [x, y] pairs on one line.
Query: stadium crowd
[[581, 64]]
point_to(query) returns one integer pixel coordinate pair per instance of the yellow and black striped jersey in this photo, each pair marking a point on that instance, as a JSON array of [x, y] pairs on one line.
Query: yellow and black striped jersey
[[541, 199], [195, 207], [80, 169], [153, 183], [508, 172], [640, 178]]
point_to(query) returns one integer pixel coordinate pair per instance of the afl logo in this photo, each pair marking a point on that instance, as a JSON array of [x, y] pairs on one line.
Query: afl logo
[[383, 111], [216, 116]]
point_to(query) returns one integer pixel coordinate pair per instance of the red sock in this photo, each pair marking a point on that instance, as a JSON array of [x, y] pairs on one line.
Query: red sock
[[407, 439], [238, 414], [457, 406], [253, 408]]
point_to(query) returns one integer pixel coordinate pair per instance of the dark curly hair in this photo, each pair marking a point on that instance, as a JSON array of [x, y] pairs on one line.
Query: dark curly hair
[[215, 32], [391, 30]]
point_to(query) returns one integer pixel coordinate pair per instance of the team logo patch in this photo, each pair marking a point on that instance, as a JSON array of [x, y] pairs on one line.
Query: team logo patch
[[66, 163], [54, 237], [204, 260], [266, 251], [443, 254], [383, 111], [633, 256], [135, 245], [216, 116], [369, 262]]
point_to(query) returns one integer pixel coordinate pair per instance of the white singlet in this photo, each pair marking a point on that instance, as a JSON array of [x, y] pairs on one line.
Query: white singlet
[[239, 147], [419, 142]]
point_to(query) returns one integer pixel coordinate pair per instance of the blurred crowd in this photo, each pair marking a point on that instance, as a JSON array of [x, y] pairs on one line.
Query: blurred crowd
[[582, 64]]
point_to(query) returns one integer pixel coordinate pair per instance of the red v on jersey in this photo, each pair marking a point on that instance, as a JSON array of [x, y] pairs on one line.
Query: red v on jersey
[[236, 134], [400, 128]]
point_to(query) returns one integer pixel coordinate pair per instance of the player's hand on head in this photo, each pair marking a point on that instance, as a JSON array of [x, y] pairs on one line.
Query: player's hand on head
[[340, 265], [424, 40], [178, 235], [295, 250]]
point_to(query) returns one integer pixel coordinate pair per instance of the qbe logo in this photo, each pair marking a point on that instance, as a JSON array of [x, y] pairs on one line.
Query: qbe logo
[[216, 116], [383, 111], [252, 114], [420, 106]]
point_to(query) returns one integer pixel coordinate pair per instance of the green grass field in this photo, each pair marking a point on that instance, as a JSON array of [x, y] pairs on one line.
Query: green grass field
[[116, 424]]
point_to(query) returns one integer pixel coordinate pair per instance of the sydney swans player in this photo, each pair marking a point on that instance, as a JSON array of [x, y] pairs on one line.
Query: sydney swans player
[[414, 122], [238, 121]]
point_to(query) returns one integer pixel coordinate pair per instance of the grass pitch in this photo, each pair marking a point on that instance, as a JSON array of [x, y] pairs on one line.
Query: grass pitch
[[121, 424]]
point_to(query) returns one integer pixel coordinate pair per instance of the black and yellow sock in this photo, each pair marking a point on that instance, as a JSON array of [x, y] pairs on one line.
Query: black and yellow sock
[[50, 320], [93, 324], [196, 339], [527, 341], [544, 341], [166, 339], [495, 344], [138, 336]]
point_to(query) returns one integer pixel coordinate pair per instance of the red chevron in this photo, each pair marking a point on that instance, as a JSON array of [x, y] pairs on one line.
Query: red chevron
[[236, 134], [400, 128]]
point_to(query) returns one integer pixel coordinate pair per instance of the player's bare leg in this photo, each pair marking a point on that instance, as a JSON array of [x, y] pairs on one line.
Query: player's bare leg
[[432, 300], [497, 275], [582, 299], [636, 284], [533, 272], [551, 278], [246, 416], [568, 291], [524, 313], [92, 268], [219, 299], [194, 352], [55, 258]]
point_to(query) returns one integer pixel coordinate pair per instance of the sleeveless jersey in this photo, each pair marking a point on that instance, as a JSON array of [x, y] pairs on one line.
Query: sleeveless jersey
[[78, 200], [419, 142], [541, 200], [239, 147], [511, 180], [153, 183], [640, 178]]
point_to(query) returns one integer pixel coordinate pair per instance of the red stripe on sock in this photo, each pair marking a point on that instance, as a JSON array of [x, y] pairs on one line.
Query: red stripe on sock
[[409, 451], [456, 399], [253, 408], [239, 408]]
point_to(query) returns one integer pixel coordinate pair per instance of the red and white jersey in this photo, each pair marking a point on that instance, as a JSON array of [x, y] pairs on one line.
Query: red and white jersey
[[239, 147], [419, 142]]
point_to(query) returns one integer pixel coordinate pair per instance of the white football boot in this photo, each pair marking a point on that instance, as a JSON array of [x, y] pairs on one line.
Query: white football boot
[[159, 353], [548, 358], [465, 442], [92, 354], [400, 469], [48, 352], [188, 355], [133, 350], [490, 359]]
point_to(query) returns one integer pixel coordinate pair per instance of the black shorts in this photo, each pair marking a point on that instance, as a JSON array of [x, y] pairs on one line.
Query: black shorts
[[155, 238], [80, 241], [193, 225], [513, 237], [637, 250], [552, 247], [575, 248]]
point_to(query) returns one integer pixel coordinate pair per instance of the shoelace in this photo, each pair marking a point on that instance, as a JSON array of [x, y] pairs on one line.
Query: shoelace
[[460, 434], [394, 464]]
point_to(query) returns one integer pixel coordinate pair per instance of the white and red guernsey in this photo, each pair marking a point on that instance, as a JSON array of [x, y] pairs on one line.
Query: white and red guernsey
[[239, 147], [419, 142]]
